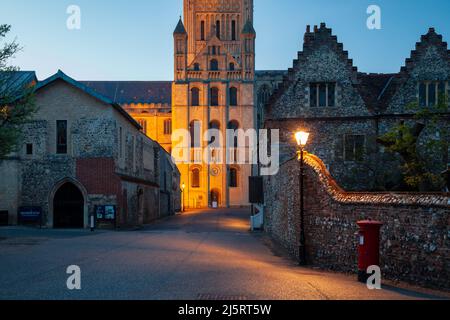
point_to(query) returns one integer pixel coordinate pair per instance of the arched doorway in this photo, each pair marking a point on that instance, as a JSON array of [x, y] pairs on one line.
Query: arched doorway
[[215, 197], [68, 207]]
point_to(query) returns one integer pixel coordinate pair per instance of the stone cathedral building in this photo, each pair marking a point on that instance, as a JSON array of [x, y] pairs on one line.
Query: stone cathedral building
[[213, 88]]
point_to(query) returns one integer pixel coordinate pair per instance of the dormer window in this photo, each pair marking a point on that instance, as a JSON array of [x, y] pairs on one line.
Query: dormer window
[[196, 67], [322, 94], [430, 92], [231, 66]]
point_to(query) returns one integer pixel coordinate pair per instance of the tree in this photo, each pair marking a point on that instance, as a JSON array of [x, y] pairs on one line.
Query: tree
[[16, 97], [419, 155]]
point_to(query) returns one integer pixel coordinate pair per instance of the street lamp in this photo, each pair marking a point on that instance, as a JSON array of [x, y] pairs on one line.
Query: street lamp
[[302, 140], [183, 186]]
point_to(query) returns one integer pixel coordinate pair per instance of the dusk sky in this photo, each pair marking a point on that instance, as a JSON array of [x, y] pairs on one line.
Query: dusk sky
[[132, 39]]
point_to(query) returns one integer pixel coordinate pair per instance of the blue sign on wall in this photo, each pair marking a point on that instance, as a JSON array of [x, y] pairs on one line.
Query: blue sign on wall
[[30, 214]]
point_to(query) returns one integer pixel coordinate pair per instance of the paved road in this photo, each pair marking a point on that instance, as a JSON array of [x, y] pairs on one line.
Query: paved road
[[197, 255]]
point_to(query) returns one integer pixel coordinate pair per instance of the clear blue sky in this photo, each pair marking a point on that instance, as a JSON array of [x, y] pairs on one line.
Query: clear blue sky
[[132, 39]]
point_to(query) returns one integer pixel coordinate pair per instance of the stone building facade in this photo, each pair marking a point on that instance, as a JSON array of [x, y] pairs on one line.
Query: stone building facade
[[82, 155], [346, 111], [148, 102], [213, 89]]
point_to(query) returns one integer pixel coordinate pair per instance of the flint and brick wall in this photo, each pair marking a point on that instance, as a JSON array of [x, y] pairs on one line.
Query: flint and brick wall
[[415, 245]]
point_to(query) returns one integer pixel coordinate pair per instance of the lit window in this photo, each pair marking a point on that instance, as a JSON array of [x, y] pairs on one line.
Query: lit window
[[143, 124], [195, 178], [167, 127]]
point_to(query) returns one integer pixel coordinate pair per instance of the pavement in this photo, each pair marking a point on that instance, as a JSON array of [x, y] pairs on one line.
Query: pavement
[[198, 255]]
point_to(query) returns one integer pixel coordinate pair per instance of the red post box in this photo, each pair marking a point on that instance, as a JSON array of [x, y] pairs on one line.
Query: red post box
[[368, 247]]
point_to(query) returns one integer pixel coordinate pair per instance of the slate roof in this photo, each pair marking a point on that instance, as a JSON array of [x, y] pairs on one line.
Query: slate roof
[[260, 74], [12, 83], [128, 92], [180, 29], [248, 28], [62, 76], [377, 89]]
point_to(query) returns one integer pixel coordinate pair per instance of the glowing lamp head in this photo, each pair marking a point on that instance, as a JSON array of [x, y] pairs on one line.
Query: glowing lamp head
[[302, 138], [183, 186]]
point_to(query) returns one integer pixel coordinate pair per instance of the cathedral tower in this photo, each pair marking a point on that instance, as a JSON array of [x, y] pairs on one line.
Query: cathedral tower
[[214, 62]]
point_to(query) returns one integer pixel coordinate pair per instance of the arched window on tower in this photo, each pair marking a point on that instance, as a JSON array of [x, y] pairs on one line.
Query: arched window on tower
[[214, 97], [233, 96], [234, 125], [233, 30], [195, 178], [214, 65], [218, 29], [233, 148], [195, 97], [196, 67], [233, 178], [202, 31], [214, 124], [195, 132], [232, 66]]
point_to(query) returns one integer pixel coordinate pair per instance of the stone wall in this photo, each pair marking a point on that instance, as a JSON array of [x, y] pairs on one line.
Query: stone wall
[[415, 245]]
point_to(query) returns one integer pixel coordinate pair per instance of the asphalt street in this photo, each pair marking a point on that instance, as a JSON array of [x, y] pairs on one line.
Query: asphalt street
[[195, 256]]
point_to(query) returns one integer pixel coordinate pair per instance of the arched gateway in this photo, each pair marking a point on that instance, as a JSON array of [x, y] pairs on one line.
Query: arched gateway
[[68, 207]]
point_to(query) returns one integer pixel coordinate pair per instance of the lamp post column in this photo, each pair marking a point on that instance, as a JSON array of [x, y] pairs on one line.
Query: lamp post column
[[183, 186], [301, 248]]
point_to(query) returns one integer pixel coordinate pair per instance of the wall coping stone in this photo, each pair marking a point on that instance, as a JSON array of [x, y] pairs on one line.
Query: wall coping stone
[[381, 198]]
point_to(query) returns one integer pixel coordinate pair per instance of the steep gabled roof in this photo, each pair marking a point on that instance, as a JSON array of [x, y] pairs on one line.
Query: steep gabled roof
[[313, 40], [62, 76], [430, 39], [134, 92]]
